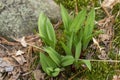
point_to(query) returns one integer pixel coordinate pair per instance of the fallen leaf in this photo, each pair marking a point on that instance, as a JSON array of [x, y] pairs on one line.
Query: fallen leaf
[[116, 77], [103, 55], [5, 66], [9, 68], [38, 75], [20, 59], [104, 37], [109, 3], [19, 52], [23, 42]]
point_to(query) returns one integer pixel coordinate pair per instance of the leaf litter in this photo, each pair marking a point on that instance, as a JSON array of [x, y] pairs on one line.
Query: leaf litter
[[103, 41], [17, 58]]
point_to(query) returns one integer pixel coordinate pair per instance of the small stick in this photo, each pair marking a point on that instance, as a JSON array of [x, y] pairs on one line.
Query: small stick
[[116, 61]]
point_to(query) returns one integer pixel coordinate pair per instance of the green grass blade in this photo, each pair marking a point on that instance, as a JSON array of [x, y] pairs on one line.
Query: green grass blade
[[78, 21]]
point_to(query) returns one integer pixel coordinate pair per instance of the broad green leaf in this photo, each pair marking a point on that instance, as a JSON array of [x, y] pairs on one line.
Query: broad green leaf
[[75, 40], [87, 63], [56, 72], [52, 71], [43, 61], [88, 29], [46, 61], [53, 55], [78, 50], [66, 49], [67, 60], [46, 30], [89, 25], [80, 34], [50, 32], [78, 21], [65, 17], [49, 70], [86, 41], [41, 25]]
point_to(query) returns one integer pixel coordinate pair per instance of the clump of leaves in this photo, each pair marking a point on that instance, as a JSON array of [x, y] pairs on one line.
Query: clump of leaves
[[78, 33]]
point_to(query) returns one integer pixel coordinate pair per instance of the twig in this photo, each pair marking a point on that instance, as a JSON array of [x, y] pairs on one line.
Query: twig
[[27, 73], [102, 60], [36, 47], [76, 6], [4, 47]]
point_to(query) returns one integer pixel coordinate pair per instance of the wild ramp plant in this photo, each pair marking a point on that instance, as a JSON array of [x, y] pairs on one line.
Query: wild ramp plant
[[78, 33]]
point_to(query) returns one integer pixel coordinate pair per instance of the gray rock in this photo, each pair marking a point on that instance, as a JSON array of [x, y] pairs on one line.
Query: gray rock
[[19, 17]]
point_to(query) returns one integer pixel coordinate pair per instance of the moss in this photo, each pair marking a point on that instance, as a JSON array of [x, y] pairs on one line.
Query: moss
[[70, 4], [117, 25]]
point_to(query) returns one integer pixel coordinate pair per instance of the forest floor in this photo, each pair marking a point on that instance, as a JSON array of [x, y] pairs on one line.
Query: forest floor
[[19, 60]]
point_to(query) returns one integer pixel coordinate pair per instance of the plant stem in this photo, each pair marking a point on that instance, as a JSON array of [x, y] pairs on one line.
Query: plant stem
[[116, 61]]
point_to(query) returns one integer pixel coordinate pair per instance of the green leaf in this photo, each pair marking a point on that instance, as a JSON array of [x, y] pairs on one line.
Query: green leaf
[[88, 29], [49, 70], [46, 30], [46, 62], [52, 72], [65, 17], [53, 55], [78, 21], [66, 49], [78, 50], [67, 60], [56, 72], [69, 44], [41, 25], [51, 33], [90, 23], [86, 41], [87, 63], [43, 61]]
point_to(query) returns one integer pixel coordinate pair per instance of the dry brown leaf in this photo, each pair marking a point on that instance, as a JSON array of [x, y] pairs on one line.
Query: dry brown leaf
[[19, 52], [109, 3], [103, 55], [20, 59], [5, 65], [23, 42], [104, 37], [38, 75], [116, 77]]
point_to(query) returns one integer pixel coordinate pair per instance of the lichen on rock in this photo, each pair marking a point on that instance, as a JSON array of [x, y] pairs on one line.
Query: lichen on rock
[[19, 17]]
